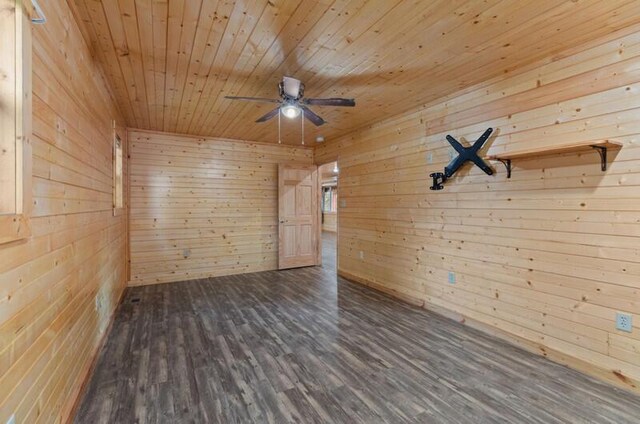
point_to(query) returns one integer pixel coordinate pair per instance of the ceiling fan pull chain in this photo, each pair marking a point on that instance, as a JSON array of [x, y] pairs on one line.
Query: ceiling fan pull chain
[[302, 120], [279, 139]]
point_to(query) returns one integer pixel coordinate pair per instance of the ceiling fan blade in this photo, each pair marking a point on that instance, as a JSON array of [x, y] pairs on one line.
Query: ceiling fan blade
[[330, 102], [291, 87], [253, 99], [311, 116], [269, 115]]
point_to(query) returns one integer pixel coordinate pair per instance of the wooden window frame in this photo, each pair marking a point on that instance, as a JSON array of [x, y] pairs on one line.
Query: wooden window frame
[[118, 186], [14, 220], [332, 189]]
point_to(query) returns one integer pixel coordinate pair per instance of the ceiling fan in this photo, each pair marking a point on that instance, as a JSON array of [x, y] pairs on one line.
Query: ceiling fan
[[292, 102]]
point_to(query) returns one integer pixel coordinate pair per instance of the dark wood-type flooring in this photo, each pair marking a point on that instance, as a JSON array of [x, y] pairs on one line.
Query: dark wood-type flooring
[[329, 243], [297, 346]]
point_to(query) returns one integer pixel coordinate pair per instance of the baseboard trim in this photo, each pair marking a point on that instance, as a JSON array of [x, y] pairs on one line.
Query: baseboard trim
[[609, 376], [90, 368]]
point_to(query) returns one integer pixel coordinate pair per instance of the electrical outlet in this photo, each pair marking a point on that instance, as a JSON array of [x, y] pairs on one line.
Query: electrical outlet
[[343, 203], [361, 255], [623, 322], [452, 277], [429, 157], [12, 419]]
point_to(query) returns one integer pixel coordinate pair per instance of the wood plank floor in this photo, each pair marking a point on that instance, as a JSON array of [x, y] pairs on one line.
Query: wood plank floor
[[297, 346], [329, 241]]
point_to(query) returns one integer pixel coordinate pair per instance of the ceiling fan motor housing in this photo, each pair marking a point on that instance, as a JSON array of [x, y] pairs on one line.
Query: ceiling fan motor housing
[[284, 95]]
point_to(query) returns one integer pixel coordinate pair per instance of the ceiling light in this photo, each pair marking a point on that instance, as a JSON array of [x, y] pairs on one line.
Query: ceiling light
[[290, 111], [319, 139]]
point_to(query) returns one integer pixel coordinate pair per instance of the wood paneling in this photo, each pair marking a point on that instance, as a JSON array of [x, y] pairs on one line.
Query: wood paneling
[[203, 207], [547, 257], [330, 222], [50, 322], [172, 62]]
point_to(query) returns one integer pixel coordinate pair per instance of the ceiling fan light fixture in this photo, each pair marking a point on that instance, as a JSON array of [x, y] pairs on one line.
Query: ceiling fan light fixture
[[290, 111]]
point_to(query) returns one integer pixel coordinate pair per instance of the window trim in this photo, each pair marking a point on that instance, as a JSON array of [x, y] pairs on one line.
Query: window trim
[[118, 143], [15, 226]]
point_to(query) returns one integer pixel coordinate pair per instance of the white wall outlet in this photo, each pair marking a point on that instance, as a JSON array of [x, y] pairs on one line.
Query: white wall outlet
[[12, 419], [361, 255], [452, 277], [623, 322], [343, 203]]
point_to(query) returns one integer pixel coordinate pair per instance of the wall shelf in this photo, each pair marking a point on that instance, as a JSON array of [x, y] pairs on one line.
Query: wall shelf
[[599, 146]]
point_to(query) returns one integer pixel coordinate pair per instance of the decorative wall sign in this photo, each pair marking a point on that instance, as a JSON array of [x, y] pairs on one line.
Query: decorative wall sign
[[465, 154]]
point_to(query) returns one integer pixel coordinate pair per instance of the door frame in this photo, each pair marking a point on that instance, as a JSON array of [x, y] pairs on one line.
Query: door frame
[[337, 161]]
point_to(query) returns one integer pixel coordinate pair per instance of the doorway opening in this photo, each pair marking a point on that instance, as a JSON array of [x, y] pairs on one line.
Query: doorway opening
[[328, 175]]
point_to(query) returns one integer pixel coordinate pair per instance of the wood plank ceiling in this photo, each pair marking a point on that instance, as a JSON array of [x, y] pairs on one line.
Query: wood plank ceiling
[[170, 62]]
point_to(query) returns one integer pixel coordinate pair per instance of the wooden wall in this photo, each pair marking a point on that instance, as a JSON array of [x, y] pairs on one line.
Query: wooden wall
[[545, 258], [203, 207], [330, 222], [50, 322]]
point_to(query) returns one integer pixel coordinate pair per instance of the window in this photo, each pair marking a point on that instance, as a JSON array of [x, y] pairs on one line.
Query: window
[[118, 189], [329, 199], [10, 95], [15, 116]]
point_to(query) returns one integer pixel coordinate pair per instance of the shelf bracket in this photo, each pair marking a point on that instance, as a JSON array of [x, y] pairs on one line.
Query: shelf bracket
[[603, 156], [507, 164]]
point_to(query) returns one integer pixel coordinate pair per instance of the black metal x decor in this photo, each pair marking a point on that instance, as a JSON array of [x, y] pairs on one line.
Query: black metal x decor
[[465, 154]]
